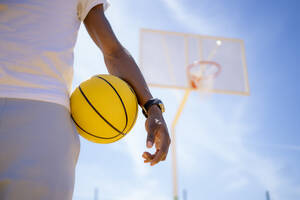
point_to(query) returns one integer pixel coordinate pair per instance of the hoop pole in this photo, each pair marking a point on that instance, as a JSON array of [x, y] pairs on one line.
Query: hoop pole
[[173, 143]]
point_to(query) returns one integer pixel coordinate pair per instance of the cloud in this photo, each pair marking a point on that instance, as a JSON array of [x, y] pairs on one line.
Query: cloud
[[113, 188], [219, 145], [278, 146], [186, 17]]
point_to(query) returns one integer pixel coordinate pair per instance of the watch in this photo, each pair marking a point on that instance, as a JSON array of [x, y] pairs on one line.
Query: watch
[[150, 103]]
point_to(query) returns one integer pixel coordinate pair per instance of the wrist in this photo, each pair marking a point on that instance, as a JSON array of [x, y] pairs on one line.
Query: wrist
[[156, 106], [154, 110]]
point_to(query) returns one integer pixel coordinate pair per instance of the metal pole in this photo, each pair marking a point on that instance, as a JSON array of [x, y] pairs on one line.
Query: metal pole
[[184, 195], [173, 144], [96, 194], [268, 195]]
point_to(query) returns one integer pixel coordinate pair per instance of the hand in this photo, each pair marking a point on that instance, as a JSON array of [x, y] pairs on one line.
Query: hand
[[158, 135]]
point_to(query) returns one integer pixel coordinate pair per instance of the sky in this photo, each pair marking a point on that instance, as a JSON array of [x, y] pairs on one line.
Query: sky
[[228, 147]]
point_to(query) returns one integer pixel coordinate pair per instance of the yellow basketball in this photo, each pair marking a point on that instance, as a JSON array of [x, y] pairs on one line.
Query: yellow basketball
[[104, 108]]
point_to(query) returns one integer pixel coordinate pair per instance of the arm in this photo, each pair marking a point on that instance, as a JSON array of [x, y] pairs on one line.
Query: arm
[[120, 63]]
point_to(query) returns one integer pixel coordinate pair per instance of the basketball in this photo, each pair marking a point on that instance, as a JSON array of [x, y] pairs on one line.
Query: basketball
[[104, 108]]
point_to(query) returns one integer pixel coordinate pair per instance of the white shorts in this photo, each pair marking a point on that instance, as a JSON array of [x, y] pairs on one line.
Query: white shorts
[[39, 147]]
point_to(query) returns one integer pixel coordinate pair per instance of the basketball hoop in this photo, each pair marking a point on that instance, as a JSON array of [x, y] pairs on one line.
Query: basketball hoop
[[199, 71]]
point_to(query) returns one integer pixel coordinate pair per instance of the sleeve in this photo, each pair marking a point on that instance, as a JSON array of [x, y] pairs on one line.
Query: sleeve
[[84, 6]]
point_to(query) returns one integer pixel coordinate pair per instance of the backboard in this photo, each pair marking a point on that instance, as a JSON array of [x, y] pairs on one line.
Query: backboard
[[168, 58]]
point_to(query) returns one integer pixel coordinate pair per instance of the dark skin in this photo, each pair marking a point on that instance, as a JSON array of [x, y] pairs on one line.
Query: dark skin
[[120, 63]]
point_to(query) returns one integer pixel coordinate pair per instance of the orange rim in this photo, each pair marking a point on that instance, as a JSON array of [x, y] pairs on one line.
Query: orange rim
[[194, 79]]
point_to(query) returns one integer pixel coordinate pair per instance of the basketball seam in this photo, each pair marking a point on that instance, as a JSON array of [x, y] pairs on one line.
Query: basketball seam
[[98, 112], [93, 134], [136, 109], [125, 111], [135, 117]]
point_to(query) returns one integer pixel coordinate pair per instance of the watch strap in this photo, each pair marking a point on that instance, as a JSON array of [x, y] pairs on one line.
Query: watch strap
[[150, 103]]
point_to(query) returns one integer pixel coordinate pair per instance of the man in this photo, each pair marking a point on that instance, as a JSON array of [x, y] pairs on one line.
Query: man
[[39, 144]]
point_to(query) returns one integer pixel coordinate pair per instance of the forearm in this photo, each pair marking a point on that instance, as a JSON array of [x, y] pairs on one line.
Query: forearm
[[122, 64]]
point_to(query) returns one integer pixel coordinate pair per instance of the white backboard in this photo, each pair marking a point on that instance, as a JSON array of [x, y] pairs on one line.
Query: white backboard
[[164, 57]]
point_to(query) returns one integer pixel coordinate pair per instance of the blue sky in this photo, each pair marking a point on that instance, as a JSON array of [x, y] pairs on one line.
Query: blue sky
[[229, 147]]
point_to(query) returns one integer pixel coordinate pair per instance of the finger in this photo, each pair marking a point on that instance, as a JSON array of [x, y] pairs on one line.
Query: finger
[[151, 134], [157, 158], [147, 161], [147, 156], [165, 144], [164, 158], [163, 147], [166, 148]]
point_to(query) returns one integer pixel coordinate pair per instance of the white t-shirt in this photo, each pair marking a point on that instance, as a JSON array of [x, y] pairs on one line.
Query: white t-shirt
[[37, 39]]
